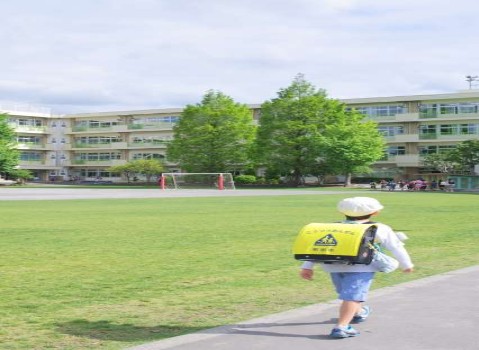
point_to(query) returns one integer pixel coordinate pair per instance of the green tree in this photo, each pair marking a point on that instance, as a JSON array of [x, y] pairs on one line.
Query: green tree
[[466, 154], [21, 174], [303, 132], [212, 136], [288, 135], [9, 156], [351, 145], [128, 170], [442, 162], [148, 167]]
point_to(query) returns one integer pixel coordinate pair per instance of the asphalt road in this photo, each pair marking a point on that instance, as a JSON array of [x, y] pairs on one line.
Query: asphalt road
[[65, 193], [434, 313]]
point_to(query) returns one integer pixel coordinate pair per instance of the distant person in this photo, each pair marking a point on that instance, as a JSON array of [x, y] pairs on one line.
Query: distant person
[[424, 185], [450, 185], [433, 185], [418, 185], [383, 184], [352, 282], [391, 185], [442, 185]]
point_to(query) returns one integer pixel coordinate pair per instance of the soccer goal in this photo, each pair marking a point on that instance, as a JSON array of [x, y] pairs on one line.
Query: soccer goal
[[178, 181]]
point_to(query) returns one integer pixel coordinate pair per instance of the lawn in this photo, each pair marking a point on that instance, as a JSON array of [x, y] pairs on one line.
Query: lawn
[[108, 274]]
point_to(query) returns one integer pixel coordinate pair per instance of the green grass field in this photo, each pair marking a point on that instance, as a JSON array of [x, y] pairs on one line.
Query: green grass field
[[108, 274]]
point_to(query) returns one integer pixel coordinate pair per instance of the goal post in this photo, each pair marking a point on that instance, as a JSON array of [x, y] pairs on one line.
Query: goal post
[[179, 181]]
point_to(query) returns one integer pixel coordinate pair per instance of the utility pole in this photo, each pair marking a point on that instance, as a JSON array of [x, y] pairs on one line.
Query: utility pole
[[470, 79]]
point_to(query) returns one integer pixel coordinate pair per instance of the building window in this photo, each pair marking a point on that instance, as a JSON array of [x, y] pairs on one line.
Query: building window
[[29, 139], [428, 110], [433, 109], [389, 131], [425, 130], [445, 148], [95, 173], [468, 129], [396, 150], [30, 156], [381, 111], [424, 150], [157, 156], [95, 124], [156, 119], [94, 140], [100, 156], [448, 129], [448, 108]]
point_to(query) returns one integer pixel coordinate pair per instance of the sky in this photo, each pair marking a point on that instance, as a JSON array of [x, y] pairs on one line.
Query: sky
[[118, 55]]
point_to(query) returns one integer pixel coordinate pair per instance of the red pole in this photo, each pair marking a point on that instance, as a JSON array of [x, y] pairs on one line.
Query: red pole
[[221, 182], [162, 182]]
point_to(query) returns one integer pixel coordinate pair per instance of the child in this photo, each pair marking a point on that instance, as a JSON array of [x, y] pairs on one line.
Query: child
[[352, 282]]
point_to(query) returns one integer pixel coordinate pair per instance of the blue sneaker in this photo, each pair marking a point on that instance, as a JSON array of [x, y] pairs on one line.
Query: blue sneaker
[[362, 315], [343, 332]]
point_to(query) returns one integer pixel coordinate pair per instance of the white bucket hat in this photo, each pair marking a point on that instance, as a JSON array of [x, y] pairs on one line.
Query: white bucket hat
[[359, 206]]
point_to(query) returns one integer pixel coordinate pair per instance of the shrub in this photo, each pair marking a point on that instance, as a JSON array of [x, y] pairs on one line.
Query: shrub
[[245, 179]]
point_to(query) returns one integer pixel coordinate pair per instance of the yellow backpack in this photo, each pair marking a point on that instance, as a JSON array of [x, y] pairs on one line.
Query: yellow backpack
[[335, 242]]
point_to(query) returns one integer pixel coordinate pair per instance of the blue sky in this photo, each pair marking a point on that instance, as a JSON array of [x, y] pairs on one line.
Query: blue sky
[[114, 55]]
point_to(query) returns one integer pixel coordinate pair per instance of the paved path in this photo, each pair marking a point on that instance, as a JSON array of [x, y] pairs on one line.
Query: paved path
[[62, 193], [434, 313]]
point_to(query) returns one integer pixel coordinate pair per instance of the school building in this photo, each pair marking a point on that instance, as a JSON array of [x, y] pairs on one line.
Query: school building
[[82, 146]]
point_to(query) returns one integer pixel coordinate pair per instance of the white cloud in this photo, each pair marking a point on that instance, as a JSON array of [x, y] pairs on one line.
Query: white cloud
[[96, 55]]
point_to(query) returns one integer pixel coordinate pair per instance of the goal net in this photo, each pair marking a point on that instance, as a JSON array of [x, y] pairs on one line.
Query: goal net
[[178, 181]]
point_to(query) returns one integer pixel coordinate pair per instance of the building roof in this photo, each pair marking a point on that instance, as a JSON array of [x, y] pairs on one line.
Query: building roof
[[465, 94]]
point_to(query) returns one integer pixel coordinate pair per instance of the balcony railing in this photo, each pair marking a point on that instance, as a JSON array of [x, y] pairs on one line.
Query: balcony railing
[[436, 114], [30, 145], [155, 144], [428, 136], [31, 162], [29, 128], [97, 129], [98, 162], [450, 137], [108, 145], [149, 126], [402, 138], [403, 160]]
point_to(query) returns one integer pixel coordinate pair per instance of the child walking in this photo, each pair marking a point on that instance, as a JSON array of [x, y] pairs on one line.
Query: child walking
[[352, 282]]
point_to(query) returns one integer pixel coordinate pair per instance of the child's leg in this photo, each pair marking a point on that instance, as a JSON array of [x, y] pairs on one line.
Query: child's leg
[[347, 310], [352, 289]]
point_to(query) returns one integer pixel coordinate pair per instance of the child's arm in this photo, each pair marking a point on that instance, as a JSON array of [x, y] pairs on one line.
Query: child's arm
[[306, 274], [307, 271], [392, 242]]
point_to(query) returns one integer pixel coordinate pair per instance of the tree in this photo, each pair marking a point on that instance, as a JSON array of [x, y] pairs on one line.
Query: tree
[[442, 162], [303, 132], [20, 174], [212, 136], [9, 156], [128, 170], [288, 135], [148, 167], [466, 154], [352, 145]]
